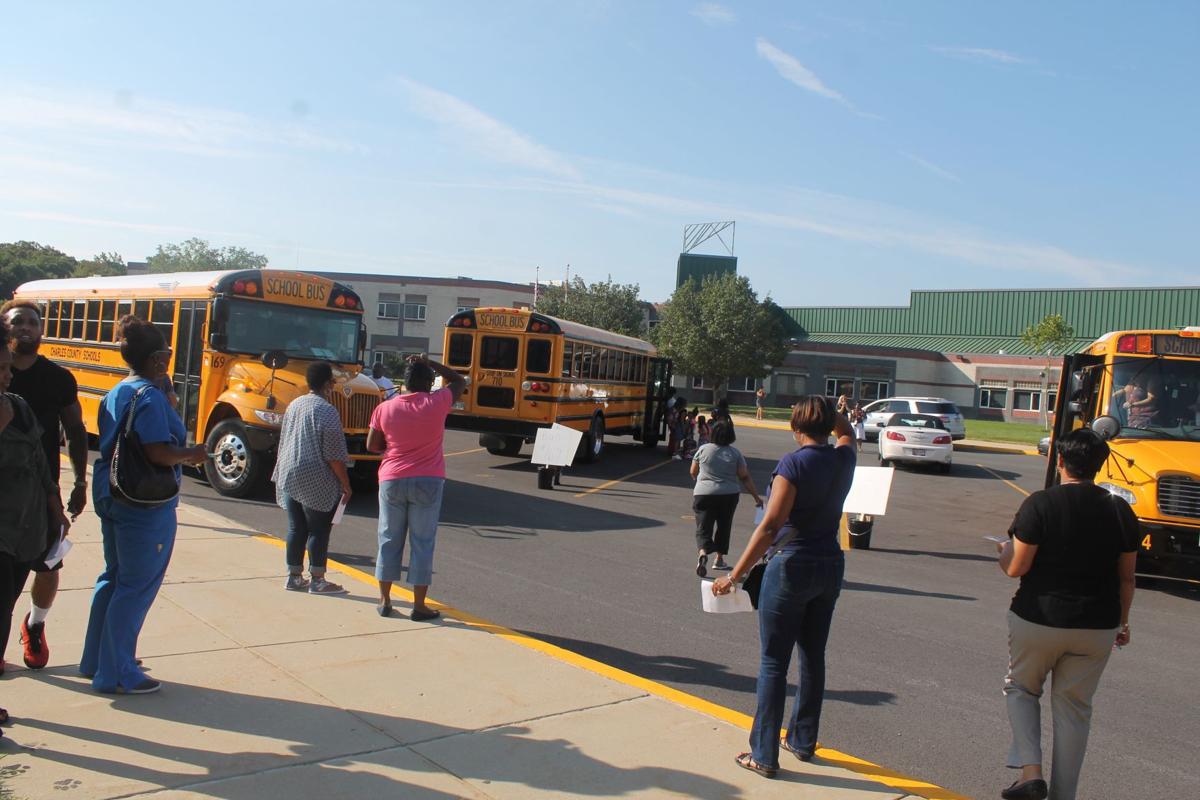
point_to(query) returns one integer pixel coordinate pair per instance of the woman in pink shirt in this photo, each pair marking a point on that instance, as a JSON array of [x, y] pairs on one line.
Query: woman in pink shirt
[[408, 430]]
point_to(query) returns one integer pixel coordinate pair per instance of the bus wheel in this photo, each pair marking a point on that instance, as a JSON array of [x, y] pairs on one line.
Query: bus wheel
[[593, 440], [234, 469], [501, 445]]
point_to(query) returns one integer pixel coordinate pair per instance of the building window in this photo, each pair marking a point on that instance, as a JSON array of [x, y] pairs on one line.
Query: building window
[[414, 311], [872, 390], [742, 384], [836, 387], [993, 397], [377, 357], [389, 311], [1027, 400], [698, 382], [467, 303], [461, 309], [1051, 401]]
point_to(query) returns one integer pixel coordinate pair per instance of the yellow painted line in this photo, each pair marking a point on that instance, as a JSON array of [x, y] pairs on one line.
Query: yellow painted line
[[860, 766], [465, 452], [1005, 480], [612, 483]]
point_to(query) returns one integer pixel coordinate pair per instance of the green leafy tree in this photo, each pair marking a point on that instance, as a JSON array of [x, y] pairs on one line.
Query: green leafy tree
[[612, 306], [29, 261], [1051, 334], [719, 329], [103, 265], [197, 255]]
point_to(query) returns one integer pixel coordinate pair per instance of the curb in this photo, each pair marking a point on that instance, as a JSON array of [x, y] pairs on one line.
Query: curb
[[991, 447]]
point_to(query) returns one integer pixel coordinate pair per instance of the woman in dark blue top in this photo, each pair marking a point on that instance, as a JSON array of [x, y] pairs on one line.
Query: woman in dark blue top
[[802, 580], [138, 540]]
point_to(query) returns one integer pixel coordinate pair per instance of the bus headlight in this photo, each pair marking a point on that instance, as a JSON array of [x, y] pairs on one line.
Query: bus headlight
[[269, 417], [1119, 491]]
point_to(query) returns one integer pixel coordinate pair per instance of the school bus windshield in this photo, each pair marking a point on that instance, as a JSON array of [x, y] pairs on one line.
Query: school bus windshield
[[1156, 398], [256, 327]]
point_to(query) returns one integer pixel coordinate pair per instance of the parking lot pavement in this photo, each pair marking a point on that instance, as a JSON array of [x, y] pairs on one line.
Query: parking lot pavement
[[918, 646]]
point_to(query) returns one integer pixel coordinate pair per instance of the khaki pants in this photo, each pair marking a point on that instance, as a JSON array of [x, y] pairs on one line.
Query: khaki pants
[[1075, 657]]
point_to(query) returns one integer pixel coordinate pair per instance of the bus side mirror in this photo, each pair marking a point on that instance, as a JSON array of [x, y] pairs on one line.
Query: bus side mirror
[[362, 342], [274, 359], [217, 340], [1106, 427]]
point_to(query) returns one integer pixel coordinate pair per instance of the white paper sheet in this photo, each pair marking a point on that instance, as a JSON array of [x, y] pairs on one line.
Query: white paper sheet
[[556, 446], [59, 551], [869, 492], [337, 515], [731, 603]]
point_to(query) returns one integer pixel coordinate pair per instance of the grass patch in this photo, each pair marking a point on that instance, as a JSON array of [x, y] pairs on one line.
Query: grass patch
[[993, 431], [784, 414]]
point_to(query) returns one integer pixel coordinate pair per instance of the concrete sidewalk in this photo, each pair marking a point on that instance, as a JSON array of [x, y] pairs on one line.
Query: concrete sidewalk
[[269, 693], [967, 445]]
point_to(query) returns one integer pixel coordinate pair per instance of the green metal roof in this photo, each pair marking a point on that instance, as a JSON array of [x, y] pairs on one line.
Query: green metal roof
[[990, 321]]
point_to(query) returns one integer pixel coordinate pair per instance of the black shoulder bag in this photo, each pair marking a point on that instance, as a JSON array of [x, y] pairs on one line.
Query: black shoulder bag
[[752, 585], [134, 479]]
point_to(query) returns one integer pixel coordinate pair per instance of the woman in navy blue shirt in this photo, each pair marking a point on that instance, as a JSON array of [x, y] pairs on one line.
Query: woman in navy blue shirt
[[802, 580], [138, 540]]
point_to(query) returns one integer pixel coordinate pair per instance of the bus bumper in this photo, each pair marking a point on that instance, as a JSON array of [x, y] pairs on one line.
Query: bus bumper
[[1169, 551], [500, 427]]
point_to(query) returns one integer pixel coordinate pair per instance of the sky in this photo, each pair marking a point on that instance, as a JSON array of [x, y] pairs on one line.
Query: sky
[[864, 150]]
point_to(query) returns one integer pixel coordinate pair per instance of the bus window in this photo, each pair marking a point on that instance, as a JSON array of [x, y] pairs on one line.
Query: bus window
[[568, 355], [498, 352], [124, 309], [462, 346], [92, 332], [163, 317], [52, 315], [107, 309], [583, 361], [77, 309], [141, 310], [537, 356]]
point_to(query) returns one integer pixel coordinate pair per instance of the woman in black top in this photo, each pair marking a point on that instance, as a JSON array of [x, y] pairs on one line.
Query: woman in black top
[[1074, 547]]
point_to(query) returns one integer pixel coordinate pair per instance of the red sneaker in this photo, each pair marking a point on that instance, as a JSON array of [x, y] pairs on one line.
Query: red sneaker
[[37, 652]]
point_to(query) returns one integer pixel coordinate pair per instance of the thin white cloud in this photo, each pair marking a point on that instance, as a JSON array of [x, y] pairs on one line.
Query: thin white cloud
[[791, 70], [983, 54], [483, 133], [141, 227], [93, 117], [941, 172], [714, 14]]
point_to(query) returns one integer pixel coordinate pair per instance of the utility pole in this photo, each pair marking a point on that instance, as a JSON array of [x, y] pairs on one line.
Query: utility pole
[[537, 283]]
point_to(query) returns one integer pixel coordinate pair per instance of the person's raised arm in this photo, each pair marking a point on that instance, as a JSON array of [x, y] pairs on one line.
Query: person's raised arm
[[843, 431], [451, 379]]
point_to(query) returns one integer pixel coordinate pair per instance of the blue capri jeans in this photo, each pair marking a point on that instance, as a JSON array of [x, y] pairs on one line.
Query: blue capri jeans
[[408, 507]]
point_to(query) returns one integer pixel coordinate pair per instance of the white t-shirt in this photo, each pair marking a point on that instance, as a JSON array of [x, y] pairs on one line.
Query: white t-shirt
[[389, 388]]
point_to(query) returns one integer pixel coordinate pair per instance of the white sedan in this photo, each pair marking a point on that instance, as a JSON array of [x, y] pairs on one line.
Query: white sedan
[[916, 439]]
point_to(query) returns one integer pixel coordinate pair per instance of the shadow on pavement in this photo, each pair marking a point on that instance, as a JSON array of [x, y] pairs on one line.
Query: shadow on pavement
[[972, 472], [553, 765], [934, 554], [853, 586]]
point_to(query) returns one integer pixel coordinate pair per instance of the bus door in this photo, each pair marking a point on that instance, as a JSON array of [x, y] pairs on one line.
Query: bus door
[[497, 380], [538, 394], [189, 354], [658, 378], [1076, 406]]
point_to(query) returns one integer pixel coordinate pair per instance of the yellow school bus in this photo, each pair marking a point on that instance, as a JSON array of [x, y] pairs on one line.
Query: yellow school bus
[[1140, 389], [527, 371], [242, 341]]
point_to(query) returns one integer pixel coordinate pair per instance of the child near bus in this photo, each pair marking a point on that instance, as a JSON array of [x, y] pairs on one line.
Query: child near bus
[[703, 434]]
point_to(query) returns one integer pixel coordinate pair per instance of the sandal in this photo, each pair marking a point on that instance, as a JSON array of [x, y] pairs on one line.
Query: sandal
[[422, 616], [746, 761], [797, 753]]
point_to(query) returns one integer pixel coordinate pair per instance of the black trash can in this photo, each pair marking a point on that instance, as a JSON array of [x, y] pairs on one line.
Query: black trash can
[[546, 477], [860, 532]]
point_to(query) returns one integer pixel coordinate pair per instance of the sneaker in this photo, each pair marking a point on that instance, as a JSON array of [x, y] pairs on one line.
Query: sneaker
[[37, 653], [322, 586], [148, 686], [720, 564], [296, 583], [701, 563]]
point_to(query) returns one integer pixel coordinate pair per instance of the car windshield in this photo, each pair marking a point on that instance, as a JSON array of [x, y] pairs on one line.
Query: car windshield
[[256, 327], [1156, 398], [936, 408], [914, 421]]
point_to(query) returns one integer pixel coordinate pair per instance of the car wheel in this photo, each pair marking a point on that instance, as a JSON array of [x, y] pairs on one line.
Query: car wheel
[[883, 462], [235, 470]]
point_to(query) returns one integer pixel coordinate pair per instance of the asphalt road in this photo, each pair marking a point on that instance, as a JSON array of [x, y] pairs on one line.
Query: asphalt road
[[918, 650]]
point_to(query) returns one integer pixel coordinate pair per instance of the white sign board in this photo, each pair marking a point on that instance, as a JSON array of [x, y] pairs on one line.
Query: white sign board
[[869, 492], [732, 603], [556, 446]]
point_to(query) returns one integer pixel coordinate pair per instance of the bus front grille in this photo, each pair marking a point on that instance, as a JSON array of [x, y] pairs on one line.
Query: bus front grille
[[1179, 496], [355, 410]]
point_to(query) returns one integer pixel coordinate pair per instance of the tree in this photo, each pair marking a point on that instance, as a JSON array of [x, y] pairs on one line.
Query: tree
[[1050, 334], [30, 261], [719, 329], [196, 255], [612, 306], [103, 265]]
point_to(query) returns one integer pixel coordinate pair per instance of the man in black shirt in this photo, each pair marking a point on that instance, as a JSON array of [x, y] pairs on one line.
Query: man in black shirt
[[1074, 547], [52, 393]]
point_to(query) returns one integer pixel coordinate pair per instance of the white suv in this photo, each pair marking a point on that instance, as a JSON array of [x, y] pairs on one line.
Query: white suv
[[880, 411]]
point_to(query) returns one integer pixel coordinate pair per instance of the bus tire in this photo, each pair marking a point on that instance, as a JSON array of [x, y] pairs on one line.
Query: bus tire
[[501, 445], [234, 470], [593, 441]]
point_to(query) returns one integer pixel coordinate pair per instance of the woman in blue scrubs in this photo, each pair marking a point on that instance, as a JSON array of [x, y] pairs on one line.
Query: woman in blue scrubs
[[138, 540]]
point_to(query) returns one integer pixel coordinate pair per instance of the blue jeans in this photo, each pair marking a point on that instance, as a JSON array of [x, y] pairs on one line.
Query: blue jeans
[[307, 526], [137, 549], [795, 610], [408, 507]]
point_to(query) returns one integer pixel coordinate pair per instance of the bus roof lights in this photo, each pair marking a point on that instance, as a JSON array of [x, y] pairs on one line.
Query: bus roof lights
[[251, 287], [239, 287], [1127, 344], [340, 301]]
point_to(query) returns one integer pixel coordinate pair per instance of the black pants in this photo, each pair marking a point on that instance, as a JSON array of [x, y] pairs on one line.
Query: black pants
[[714, 510], [12, 583], [309, 528]]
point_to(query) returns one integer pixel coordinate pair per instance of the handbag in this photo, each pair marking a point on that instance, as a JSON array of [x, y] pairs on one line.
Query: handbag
[[752, 584], [133, 478]]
